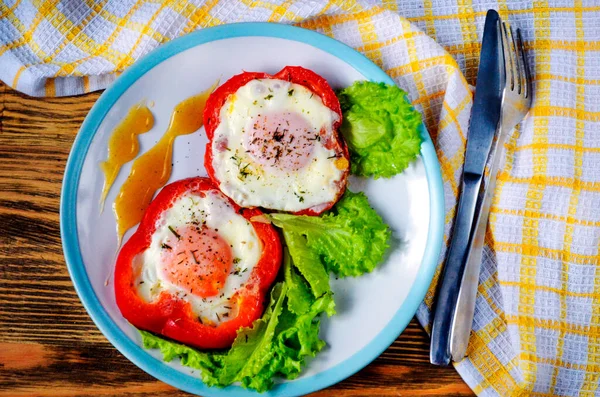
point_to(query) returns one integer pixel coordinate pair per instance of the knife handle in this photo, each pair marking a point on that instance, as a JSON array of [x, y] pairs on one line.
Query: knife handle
[[465, 307], [462, 321], [454, 267]]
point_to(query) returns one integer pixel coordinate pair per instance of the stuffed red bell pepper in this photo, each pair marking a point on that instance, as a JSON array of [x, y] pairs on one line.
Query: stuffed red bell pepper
[[274, 141], [197, 268]]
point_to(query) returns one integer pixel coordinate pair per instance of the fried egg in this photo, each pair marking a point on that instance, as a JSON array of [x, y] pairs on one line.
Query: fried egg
[[202, 252], [275, 147]]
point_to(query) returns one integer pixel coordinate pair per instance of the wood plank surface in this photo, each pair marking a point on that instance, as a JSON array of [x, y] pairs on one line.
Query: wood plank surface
[[49, 346]]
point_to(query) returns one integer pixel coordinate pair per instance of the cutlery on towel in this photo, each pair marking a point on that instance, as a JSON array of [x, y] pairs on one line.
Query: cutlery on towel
[[485, 118], [516, 101]]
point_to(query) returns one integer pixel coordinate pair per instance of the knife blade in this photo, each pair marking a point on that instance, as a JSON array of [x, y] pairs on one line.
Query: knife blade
[[485, 117]]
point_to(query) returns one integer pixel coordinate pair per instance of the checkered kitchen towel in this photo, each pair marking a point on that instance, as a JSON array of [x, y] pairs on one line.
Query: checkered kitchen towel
[[537, 320]]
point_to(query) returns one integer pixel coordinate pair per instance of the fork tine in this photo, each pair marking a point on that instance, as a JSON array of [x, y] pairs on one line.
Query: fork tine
[[518, 62], [526, 72], [508, 57]]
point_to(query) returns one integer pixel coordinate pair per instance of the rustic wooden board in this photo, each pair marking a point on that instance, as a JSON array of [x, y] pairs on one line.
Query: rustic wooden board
[[48, 344]]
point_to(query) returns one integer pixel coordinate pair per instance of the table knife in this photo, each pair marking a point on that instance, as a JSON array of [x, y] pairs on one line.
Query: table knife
[[485, 117]]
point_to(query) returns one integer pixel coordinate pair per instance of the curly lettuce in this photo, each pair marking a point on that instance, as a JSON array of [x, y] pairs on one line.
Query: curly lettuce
[[351, 239], [380, 127]]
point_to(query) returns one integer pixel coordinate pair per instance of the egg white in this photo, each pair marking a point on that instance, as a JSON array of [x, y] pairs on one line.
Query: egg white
[[250, 184], [215, 210]]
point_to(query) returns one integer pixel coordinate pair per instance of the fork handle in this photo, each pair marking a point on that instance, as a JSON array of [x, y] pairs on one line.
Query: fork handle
[[454, 267]]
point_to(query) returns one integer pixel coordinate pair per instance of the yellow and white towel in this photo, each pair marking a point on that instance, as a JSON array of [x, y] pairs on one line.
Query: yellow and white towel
[[537, 320]]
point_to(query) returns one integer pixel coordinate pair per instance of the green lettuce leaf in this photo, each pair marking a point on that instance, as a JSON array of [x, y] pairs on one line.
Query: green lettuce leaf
[[170, 350], [300, 295], [351, 239], [252, 358], [381, 128], [307, 262]]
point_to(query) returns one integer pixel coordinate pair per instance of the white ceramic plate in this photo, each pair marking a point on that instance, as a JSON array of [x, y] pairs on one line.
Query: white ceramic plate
[[372, 310]]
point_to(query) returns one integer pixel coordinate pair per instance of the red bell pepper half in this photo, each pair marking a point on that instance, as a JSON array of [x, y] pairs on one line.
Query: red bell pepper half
[[297, 75], [173, 317]]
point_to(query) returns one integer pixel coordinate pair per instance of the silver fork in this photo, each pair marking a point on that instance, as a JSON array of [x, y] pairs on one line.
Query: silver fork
[[516, 101]]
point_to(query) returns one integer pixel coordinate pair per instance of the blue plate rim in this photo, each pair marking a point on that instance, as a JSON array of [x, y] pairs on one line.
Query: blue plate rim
[[70, 241]]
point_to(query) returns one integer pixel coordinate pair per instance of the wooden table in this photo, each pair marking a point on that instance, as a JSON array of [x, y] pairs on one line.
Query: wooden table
[[49, 346]]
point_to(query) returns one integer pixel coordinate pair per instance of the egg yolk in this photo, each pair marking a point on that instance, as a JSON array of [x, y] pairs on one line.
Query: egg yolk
[[197, 259], [281, 140]]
